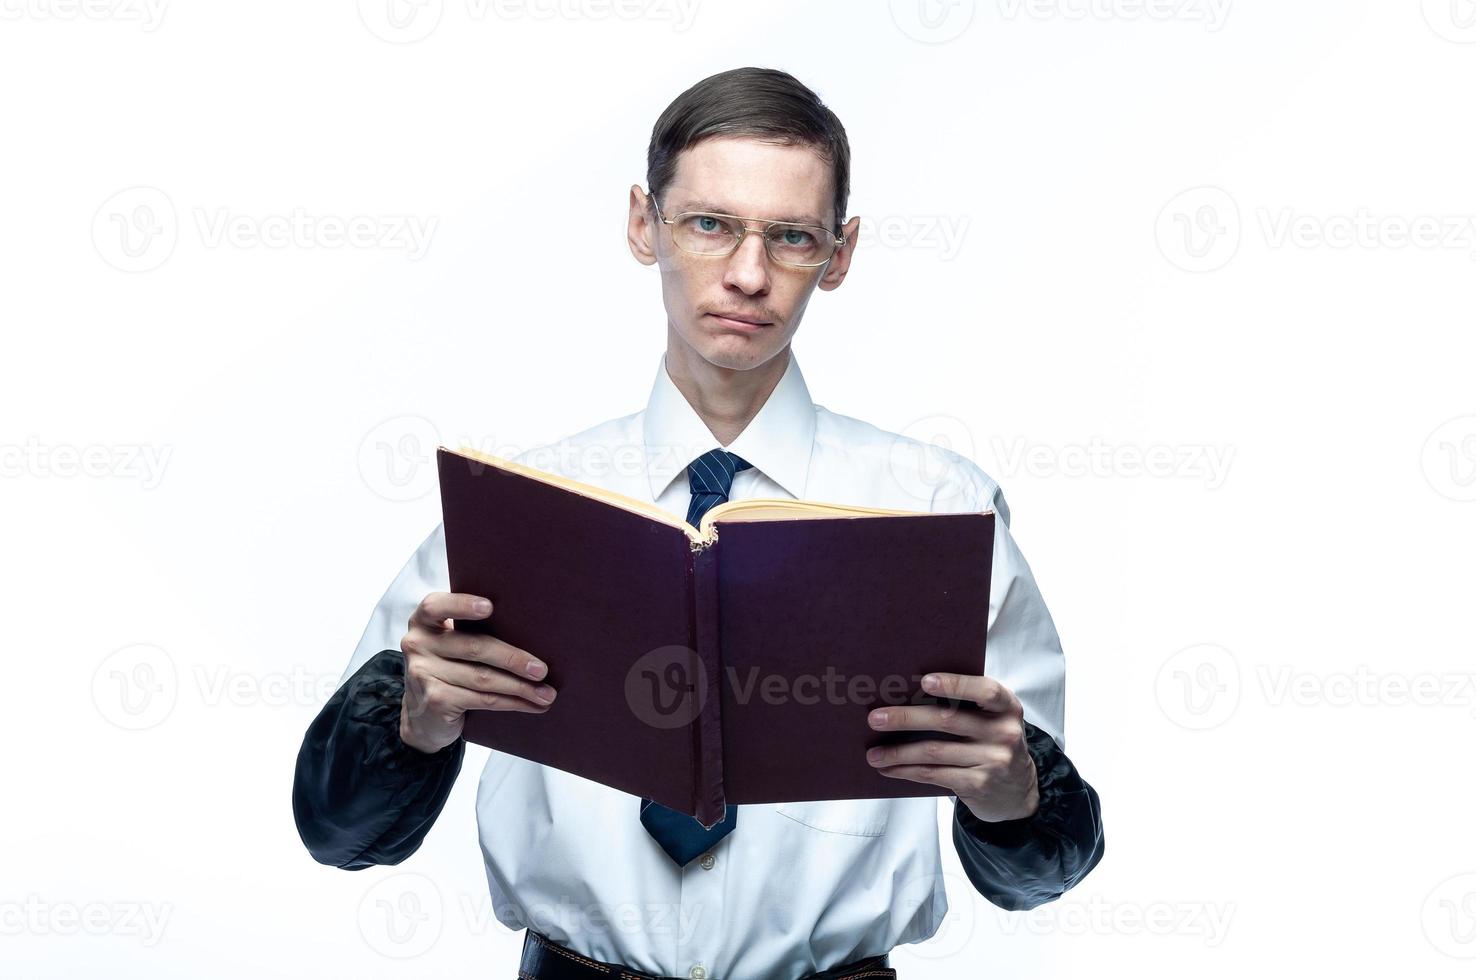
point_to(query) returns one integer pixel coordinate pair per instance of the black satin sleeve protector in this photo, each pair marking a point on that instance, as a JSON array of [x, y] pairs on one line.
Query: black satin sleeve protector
[[361, 796], [1024, 863]]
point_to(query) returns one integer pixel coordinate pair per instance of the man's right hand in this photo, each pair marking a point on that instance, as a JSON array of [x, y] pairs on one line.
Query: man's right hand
[[448, 673]]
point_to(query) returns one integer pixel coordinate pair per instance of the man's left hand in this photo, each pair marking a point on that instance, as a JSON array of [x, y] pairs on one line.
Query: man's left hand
[[990, 770]]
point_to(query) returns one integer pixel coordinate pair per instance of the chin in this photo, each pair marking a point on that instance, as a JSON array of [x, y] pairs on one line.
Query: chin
[[738, 354]]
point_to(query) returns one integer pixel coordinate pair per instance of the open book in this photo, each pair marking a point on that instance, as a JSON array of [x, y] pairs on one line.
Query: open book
[[735, 662]]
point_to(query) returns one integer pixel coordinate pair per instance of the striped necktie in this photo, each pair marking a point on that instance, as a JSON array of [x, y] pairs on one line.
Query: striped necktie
[[711, 478]]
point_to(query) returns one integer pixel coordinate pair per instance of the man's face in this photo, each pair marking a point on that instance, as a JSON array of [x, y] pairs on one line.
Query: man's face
[[740, 176]]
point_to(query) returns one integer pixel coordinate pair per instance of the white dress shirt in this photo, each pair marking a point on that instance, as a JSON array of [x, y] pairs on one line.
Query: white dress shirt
[[796, 887]]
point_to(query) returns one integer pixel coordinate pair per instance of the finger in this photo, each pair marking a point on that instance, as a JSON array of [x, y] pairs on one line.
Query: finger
[[986, 692], [480, 677], [961, 720], [437, 607], [928, 752], [955, 778], [475, 648], [449, 695]]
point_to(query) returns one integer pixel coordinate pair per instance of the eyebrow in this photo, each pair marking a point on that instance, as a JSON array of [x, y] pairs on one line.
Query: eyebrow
[[794, 219]]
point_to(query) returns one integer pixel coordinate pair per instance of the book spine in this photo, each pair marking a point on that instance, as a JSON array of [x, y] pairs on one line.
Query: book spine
[[708, 802]]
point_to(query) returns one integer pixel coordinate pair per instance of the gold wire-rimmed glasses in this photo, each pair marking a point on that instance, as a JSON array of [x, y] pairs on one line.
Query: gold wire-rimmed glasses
[[711, 233]]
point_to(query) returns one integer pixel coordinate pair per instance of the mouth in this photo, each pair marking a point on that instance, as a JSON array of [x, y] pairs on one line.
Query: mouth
[[736, 323]]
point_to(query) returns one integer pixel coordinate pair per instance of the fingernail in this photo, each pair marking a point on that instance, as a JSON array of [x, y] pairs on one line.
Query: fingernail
[[878, 719], [873, 755], [544, 692], [535, 669], [482, 607], [930, 681]]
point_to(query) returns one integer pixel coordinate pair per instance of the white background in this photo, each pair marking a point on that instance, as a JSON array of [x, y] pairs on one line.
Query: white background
[[1191, 278]]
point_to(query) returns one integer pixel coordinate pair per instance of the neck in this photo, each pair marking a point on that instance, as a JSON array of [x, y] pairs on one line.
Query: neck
[[726, 399]]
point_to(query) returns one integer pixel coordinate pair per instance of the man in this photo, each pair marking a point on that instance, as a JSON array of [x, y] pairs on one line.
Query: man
[[749, 177]]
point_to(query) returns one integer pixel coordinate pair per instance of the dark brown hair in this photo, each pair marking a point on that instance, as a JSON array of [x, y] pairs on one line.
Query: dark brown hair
[[764, 103]]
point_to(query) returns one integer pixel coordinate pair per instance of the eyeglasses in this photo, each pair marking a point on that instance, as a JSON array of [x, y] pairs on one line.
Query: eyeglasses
[[798, 246]]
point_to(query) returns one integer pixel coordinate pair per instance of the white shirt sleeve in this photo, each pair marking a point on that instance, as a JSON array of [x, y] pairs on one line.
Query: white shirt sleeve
[[1023, 651], [425, 572]]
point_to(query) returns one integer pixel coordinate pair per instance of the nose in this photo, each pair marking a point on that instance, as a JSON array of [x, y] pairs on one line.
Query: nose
[[748, 266]]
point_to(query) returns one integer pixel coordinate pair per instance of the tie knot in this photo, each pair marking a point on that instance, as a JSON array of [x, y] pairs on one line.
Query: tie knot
[[712, 472]]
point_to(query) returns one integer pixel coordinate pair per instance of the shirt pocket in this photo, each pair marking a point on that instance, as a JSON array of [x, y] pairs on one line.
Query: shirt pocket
[[858, 818]]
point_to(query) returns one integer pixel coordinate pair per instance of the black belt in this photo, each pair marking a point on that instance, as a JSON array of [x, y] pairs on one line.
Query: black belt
[[544, 959]]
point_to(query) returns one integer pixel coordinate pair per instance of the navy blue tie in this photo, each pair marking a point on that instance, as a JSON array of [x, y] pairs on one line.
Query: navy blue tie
[[711, 478]]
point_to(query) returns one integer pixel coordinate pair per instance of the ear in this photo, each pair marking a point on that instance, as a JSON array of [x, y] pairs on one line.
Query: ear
[[840, 262], [641, 227]]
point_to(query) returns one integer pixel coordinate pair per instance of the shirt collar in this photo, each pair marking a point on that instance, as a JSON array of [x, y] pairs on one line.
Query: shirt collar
[[777, 441]]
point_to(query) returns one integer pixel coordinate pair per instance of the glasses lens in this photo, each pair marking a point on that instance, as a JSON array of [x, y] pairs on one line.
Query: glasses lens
[[705, 234], [800, 244]]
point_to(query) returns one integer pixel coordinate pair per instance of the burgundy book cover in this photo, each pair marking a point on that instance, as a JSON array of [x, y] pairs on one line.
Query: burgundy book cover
[[740, 671]]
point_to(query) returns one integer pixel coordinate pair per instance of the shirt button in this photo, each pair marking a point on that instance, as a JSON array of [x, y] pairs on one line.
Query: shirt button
[[707, 861], [697, 972]]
